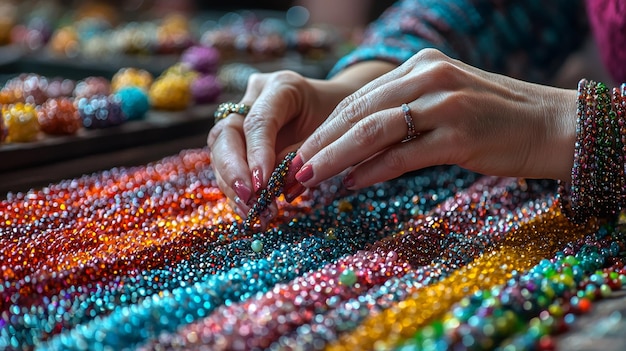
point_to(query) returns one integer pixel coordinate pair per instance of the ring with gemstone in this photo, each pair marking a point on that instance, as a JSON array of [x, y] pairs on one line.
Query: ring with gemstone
[[411, 132], [227, 108]]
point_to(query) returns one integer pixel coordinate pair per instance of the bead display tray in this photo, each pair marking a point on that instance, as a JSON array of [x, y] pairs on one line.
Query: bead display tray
[[53, 158]]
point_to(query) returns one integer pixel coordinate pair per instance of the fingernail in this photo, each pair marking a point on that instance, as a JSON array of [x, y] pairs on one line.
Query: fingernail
[[257, 179], [294, 192], [242, 191], [244, 208], [294, 167], [348, 181], [267, 214], [304, 174], [273, 209]]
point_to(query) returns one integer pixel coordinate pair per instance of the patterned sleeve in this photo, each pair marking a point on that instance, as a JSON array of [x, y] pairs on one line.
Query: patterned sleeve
[[526, 39]]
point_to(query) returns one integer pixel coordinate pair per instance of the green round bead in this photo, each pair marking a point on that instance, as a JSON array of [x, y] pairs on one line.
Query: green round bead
[[257, 246], [347, 277]]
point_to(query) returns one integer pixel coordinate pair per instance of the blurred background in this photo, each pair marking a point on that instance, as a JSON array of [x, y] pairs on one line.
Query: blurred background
[[89, 85]]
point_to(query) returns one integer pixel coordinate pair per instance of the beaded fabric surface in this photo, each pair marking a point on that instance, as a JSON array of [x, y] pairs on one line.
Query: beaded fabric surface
[[153, 258]]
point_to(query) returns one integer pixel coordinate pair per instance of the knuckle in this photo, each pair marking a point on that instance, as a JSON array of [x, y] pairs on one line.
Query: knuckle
[[317, 140], [395, 160], [444, 71], [347, 101], [287, 77], [256, 79], [354, 112], [258, 121], [431, 54], [366, 132]]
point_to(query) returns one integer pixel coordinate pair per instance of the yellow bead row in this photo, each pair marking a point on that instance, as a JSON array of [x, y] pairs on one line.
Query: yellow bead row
[[522, 249]]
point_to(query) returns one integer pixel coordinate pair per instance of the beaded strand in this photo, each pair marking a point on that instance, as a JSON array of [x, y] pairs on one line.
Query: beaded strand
[[598, 177], [145, 257]]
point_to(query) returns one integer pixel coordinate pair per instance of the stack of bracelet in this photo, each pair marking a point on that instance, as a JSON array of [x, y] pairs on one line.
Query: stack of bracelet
[[597, 187]]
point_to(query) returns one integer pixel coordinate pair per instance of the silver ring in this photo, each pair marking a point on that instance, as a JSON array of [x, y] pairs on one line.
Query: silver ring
[[227, 108], [411, 132]]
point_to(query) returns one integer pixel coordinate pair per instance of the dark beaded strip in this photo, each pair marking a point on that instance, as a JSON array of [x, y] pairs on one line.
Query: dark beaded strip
[[272, 191], [620, 106], [569, 194]]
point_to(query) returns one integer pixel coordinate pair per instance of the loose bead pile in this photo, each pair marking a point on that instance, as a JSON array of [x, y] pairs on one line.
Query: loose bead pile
[[100, 103], [154, 258]]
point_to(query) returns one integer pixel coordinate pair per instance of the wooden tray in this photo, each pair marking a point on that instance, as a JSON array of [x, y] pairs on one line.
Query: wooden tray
[[27, 165]]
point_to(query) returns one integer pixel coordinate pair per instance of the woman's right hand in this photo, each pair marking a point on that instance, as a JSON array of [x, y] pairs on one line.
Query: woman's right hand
[[285, 108]]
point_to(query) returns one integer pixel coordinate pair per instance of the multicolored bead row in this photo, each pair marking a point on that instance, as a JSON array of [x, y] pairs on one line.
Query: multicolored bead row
[[549, 296], [356, 274], [519, 251], [153, 257]]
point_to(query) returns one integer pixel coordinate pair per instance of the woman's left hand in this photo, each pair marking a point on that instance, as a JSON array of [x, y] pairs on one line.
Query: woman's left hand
[[484, 122]]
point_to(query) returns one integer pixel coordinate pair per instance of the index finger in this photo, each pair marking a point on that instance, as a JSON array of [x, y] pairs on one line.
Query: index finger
[[277, 104]]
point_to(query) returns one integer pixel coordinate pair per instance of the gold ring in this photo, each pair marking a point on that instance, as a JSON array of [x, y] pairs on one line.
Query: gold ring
[[227, 108], [411, 132]]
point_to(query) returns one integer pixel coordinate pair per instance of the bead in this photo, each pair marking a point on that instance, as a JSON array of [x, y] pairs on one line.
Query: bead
[[257, 246], [134, 102], [59, 116], [205, 89], [64, 42], [100, 111], [20, 121], [131, 77], [347, 277], [201, 58], [170, 92], [91, 87]]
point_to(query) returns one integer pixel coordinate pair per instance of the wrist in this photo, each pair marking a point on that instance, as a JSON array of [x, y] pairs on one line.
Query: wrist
[[361, 73]]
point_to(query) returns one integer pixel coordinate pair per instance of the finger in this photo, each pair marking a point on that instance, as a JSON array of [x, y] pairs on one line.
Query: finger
[[227, 145], [348, 114], [276, 106], [233, 200], [365, 139], [227, 155], [388, 97], [252, 92], [359, 99], [427, 150]]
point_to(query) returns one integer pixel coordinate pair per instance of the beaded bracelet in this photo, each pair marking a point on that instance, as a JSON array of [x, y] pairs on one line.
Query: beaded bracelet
[[597, 185]]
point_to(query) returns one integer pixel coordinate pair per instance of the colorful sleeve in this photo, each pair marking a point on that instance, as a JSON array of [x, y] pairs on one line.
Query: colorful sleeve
[[522, 38]]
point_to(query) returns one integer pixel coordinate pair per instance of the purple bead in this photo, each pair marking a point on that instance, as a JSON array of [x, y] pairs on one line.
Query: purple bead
[[100, 111], [205, 89], [201, 58]]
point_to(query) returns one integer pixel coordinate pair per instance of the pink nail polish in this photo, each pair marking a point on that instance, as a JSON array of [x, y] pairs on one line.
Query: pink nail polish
[[294, 167], [257, 179], [242, 191], [304, 174], [348, 181], [295, 191]]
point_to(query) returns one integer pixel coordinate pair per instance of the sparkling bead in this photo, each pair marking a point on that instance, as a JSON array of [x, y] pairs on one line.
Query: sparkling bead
[[134, 102], [170, 92], [59, 116], [133, 77], [20, 121]]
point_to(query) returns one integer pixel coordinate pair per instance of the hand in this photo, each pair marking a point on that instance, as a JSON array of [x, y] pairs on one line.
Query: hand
[[285, 109], [484, 122]]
